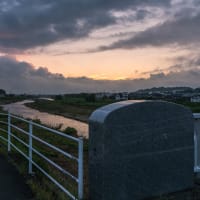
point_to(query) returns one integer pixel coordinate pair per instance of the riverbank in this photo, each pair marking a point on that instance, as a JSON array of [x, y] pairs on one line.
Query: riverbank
[[11, 99], [55, 108], [52, 120], [75, 109]]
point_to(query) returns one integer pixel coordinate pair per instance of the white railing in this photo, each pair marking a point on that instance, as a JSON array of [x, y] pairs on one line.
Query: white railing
[[6, 127]]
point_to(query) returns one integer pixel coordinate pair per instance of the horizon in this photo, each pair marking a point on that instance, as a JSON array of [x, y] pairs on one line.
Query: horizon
[[100, 92], [94, 46]]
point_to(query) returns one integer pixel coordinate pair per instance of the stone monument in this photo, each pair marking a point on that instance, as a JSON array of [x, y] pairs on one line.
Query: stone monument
[[197, 142], [140, 149]]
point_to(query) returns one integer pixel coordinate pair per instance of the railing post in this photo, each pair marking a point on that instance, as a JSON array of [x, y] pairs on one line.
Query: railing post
[[80, 168], [9, 132], [30, 170]]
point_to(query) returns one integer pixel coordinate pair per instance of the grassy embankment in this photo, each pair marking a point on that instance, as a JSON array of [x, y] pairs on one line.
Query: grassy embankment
[[12, 99], [39, 184], [195, 107], [76, 108]]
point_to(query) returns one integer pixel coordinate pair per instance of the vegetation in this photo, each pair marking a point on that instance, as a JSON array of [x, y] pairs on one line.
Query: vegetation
[[195, 107], [70, 131], [2, 92], [12, 98], [79, 108]]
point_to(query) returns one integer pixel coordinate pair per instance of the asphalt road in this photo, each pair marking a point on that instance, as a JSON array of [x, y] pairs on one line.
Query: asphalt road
[[12, 185]]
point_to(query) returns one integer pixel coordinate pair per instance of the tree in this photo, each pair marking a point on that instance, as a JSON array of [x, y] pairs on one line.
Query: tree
[[90, 98], [2, 92]]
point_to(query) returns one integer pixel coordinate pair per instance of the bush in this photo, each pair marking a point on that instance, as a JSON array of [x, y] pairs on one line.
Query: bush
[[90, 98], [70, 131]]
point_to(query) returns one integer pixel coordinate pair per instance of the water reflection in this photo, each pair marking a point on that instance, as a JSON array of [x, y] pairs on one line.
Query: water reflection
[[49, 119]]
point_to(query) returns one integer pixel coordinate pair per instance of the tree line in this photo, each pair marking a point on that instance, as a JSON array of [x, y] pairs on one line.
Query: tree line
[[2, 92]]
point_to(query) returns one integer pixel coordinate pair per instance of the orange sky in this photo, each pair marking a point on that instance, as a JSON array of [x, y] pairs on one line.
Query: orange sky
[[115, 64]]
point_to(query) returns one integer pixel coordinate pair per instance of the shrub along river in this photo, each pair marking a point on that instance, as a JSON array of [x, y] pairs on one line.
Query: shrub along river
[[20, 109]]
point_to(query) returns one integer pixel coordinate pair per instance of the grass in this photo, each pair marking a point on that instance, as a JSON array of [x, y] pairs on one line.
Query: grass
[[76, 108], [195, 107], [11, 99]]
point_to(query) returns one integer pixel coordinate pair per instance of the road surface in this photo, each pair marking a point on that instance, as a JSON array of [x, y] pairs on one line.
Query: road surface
[[12, 185]]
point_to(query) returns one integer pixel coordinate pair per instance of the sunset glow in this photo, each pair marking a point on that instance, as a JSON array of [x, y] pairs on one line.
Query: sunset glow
[[117, 40], [112, 65]]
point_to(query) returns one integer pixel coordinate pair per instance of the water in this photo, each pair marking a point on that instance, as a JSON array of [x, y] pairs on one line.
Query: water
[[48, 119]]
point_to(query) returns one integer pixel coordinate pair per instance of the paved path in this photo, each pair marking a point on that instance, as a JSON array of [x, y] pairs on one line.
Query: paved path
[[12, 186]]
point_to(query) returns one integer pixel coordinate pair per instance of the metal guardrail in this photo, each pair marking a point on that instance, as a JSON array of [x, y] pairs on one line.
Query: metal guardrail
[[31, 149]]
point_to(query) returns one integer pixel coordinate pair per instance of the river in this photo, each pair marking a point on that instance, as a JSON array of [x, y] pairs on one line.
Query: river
[[20, 109]]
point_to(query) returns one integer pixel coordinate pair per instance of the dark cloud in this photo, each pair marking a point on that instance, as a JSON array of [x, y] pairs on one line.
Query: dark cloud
[[181, 63], [22, 77], [157, 76], [182, 30], [26, 24]]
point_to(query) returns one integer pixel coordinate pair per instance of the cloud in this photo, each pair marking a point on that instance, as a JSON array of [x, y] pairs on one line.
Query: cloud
[[182, 29], [186, 63], [29, 24], [22, 77]]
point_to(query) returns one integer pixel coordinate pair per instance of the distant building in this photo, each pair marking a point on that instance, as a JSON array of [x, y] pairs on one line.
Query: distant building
[[99, 95], [117, 97], [195, 99], [103, 95], [121, 96]]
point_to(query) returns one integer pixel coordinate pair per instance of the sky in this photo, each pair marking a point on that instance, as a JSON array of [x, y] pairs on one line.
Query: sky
[[71, 46]]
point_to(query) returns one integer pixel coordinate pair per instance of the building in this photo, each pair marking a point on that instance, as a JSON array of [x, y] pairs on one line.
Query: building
[[121, 96], [103, 95]]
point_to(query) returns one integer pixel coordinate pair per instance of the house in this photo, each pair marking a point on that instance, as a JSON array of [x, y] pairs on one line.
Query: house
[[99, 95], [103, 95], [117, 97], [121, 96]]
